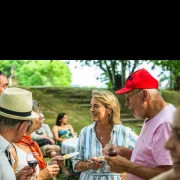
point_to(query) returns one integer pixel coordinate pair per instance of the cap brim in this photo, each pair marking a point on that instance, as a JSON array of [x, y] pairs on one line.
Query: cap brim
[[33, 115], [123, 90]]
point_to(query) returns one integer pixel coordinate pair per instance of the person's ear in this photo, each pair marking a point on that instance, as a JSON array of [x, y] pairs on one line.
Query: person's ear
[[145, 95], [20, 125]]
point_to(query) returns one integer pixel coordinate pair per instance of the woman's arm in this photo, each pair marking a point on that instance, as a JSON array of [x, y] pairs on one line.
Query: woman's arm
[[55, 133], [71, 129]]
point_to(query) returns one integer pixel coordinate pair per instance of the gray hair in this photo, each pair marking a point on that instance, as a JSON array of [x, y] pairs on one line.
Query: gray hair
[[9, 123], [153, 93], [36, 106]]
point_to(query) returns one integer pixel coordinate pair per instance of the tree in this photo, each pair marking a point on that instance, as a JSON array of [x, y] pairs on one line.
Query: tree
[[39, 72], [173, 66], [114, 71], [5, 65]]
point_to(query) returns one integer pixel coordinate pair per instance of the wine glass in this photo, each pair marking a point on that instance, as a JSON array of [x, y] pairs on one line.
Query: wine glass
[[32, 162], [50, 162], [110, 149]]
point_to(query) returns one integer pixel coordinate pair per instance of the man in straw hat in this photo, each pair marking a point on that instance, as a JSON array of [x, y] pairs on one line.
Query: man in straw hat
[[16, 116], [149, 157]]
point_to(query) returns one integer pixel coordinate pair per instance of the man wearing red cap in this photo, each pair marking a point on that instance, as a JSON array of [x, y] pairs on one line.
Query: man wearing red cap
[[149, 157]]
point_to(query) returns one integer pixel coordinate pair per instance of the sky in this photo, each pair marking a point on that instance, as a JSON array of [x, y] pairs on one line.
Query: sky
[[86, 76]]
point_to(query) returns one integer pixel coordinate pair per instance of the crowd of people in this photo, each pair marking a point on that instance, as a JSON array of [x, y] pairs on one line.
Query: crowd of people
[[107, 149]]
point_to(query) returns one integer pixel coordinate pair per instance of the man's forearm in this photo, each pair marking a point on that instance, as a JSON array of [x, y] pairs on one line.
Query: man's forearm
[[146, 172], [125, 152], [169, 175]]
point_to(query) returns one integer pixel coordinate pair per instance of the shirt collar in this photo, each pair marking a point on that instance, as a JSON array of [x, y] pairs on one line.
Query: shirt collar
[[4, 143]]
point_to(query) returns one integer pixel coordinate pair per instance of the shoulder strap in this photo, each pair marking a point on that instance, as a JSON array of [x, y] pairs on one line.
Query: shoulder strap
[[16, 160]]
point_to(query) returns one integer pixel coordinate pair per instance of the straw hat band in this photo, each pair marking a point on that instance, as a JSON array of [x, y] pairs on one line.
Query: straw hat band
[[23, 114]]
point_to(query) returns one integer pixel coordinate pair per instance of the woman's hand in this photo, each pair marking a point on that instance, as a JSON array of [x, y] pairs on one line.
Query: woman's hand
[[48, 172], [60, 160], [94, 163]]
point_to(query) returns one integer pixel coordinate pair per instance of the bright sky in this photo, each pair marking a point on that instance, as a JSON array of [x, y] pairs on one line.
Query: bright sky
[[86, 76]]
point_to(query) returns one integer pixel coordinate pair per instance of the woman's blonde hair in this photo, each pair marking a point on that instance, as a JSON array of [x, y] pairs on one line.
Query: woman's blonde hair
[[109, 100]]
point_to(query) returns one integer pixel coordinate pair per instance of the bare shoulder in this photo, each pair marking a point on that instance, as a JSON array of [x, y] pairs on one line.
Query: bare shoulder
[[69, 126], [55, 127]]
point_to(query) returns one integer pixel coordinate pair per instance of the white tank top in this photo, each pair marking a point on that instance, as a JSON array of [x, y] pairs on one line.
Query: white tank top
[[21, 155]]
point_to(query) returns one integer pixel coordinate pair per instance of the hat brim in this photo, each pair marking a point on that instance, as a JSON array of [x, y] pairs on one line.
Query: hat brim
[[123, 90], [33, 116]]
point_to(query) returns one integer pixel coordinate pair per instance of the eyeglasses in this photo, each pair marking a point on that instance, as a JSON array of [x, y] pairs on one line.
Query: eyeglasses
[[30, 122], [127, 100]]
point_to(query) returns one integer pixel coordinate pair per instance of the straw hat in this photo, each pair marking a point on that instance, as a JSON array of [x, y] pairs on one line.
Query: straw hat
[[16, 103]]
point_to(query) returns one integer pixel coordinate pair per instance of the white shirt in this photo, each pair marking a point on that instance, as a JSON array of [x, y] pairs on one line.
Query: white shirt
[[44, 130], [6, 170]]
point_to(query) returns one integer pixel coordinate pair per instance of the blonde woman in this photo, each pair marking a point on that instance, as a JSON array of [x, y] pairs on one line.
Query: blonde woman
[[106, 128]]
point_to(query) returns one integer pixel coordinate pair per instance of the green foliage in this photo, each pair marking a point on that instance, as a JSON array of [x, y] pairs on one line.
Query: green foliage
[[5, 65], [173, 66], [39, 72], [111, 69], [43, 72]]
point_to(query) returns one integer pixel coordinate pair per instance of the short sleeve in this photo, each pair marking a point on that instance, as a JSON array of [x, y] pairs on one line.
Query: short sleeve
[[160, 154]]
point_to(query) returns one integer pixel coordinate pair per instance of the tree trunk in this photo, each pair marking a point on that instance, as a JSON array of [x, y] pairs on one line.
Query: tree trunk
[[123, 70]]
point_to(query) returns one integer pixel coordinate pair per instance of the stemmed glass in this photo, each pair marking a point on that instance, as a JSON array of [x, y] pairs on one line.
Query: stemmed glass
[[110, 150], [32, 162]]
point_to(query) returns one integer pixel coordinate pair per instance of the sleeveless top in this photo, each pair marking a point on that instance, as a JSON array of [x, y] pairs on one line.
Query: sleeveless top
[[21, 156], [64, 134]]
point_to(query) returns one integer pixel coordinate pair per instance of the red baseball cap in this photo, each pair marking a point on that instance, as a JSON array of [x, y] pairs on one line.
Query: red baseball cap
[[140, 79]]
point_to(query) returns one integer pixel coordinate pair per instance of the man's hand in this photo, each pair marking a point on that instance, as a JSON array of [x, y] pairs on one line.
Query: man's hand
[[117, 164], [125, 152], [120, 150], [48, 172], [25, 173]]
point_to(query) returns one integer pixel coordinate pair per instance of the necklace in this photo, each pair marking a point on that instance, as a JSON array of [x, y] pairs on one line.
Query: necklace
[[99, 135]]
